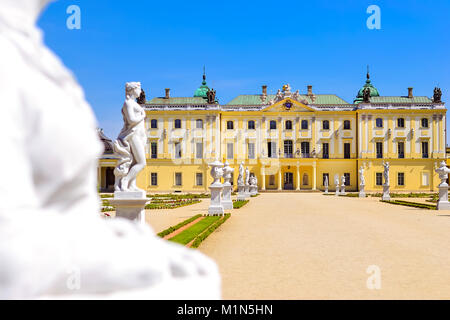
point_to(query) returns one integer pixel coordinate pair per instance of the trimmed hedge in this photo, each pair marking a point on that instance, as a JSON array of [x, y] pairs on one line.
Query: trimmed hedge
[[170, 205], [180, 196], [192, 232], [254, 195], [407, 195], [411, 204], [199, 239], [239, 203], [169, 230]]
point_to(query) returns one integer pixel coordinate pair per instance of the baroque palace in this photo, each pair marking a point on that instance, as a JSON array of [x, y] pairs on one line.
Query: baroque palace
[[290, 140]]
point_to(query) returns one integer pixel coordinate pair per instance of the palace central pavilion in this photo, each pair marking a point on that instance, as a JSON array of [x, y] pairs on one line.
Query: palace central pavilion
[[290, 140]]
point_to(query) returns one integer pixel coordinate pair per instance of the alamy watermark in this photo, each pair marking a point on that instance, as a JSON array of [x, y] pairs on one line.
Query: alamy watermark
[[374, 280], [374, 20], [74, 20]]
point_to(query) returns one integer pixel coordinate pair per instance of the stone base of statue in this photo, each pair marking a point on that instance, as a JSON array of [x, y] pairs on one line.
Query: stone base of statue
[[227, 204], [241, 192], [342, 193], [326, 190], [130, 205], [337, 191], [247, 191], [443, 203], [253, 190], [386, 195], [216, 206], [362, 193]]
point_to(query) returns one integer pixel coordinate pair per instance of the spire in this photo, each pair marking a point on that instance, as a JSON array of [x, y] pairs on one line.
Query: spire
[[368, 75], [204, 76]]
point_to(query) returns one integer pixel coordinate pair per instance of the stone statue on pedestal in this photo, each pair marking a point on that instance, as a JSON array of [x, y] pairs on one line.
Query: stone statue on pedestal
[[443, 171], [247, 182], [336, 182], [325, 183], [386, 185], [216, 188], [362, 184], [343, 185], [241, 184], [226, 194]]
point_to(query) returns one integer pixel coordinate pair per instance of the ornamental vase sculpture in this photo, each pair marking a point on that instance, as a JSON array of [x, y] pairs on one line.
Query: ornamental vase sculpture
[[216, 207], [227, 203], [443, 171]]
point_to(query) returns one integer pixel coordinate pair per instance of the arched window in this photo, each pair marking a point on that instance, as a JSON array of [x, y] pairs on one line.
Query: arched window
[[304, 124], [273, 125], [251, 125], [230, 125], [288, 125], [154, 124], [346, 124], [305, 179], [177, 124], [326, 125], [379, 123], [424, 123], [199, 124], [400, 122]]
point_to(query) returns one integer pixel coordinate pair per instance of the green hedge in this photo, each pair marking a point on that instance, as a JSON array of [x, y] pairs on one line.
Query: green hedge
[[407, 195], [239, 203], [165, 205], [199, 239], [180, 196], [164, 233], [192, 232], [411, 204]]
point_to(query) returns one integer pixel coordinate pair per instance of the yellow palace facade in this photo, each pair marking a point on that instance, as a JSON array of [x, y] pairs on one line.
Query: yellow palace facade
[[291, 141]]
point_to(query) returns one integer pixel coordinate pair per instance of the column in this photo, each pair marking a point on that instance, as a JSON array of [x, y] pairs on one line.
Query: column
[[298, 178], [279, 179], [263, 178], [314, 176]]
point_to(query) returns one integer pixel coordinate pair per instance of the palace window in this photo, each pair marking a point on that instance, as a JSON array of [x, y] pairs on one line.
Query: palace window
[[271, 180], [347, 125], [425, 179], [177, 124], [154, 150], [199, 179], [230, 149], [273, 125], [326, 125], [346, 150], [305, 149], [425, 149], [178, 180], [199, 150], [199, 124], [251, 150], [251, 125], [347, 179], [177, 150], [154, 124], [230, 125], [379, 146], [401, 178], [379, 178], [400, 123], [379, 123], [288, 125], [401, 149], [154, 179], [304, 124], [424, 123], [288, 149], [272, 149], [325, 152], [325, 176]]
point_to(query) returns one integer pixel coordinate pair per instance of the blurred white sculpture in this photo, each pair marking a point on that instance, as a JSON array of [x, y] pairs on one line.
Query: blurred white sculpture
[[343, 186], [247, 183], [443, 171], [362, 184], [227, 203], [241, 185], [386, 195], [216, 187], [130, 144], [53, 242], [325, 183], [336, 182]]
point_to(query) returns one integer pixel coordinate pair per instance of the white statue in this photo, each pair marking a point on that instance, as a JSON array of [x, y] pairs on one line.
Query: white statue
[[325, 184], [247, 176], [130, 144], [241, 175], [50, 227], [336, 183], [343, 180], [361, 175], [386, 173], [443, 172]]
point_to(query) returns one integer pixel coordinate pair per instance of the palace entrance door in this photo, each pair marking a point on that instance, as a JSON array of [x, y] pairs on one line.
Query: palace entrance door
[[288, 181]]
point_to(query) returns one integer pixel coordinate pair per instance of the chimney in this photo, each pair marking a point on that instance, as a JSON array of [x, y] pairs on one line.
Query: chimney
[[264, 90], [410, 92], [167, 93], [310, 91]]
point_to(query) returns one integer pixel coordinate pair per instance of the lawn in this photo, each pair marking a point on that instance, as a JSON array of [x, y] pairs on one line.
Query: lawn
[[189, 234]]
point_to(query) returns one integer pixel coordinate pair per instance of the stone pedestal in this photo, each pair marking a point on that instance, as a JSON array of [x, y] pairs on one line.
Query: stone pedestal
[[253, 190], [342, 193], [337, 191], [386, 195], [443, 203], [241, 192], [247, 191], [216, 206], [227, 204], [130, 205], [362, 193], [326, 189]]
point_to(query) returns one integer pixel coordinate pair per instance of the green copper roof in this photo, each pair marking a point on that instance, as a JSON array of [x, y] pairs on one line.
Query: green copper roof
[[255, 99], [373, 90], [202, 90], [178, 101], [400, 99]]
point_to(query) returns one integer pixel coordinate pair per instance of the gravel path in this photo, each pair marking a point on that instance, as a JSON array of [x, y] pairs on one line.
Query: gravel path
[[310, 246]]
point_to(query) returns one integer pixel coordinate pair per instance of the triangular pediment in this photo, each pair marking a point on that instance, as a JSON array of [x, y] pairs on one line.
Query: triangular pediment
[[289, 105]]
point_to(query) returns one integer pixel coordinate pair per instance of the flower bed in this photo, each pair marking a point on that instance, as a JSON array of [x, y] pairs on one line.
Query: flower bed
[[169, 204]]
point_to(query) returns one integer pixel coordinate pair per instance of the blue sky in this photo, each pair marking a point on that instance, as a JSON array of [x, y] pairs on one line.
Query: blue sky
[[245, 44]]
